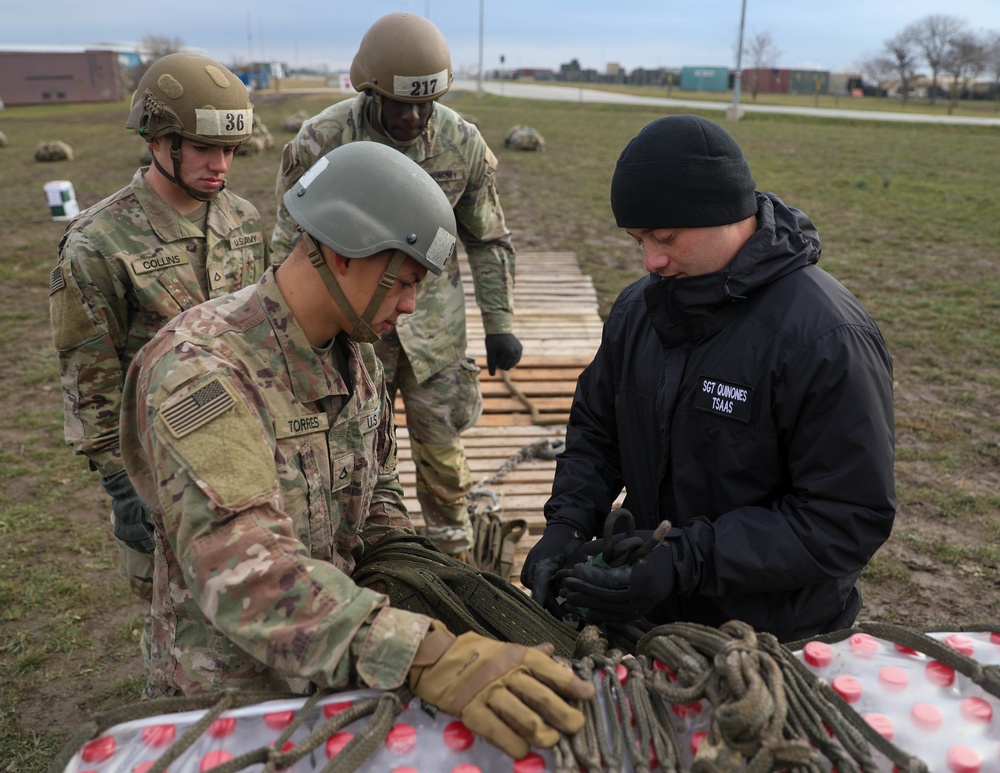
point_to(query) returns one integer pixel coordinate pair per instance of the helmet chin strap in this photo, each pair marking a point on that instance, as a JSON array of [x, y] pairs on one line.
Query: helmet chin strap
[[363, 331], [385, 130], [175, 178]]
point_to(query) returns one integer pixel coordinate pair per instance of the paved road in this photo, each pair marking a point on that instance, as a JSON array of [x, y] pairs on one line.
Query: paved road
[[576, 94]]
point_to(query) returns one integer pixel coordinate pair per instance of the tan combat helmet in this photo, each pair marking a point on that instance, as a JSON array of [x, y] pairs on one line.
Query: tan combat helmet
[[363, 199], [189, 95], [404, 57]]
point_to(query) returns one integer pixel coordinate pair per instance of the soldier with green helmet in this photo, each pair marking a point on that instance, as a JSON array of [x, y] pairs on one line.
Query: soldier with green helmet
[[169, 240], [260, 427], [401, 69]]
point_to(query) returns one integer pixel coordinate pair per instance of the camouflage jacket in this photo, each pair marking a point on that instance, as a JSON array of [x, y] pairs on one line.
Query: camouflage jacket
[[455, 154], [126, 266], [270, 472]]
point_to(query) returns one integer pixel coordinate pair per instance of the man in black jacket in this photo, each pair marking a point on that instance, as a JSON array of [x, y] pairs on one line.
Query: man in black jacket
[[741, 397]]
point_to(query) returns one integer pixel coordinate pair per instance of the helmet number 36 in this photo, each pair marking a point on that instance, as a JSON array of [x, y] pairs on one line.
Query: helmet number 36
[[235, 122]]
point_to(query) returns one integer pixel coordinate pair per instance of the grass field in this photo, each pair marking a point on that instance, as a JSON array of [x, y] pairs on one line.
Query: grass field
[[910, 220]]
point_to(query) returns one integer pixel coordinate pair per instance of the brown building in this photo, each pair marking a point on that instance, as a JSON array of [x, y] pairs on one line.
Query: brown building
[[47, 77]]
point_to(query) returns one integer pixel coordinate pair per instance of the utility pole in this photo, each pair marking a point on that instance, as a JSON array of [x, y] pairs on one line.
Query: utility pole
[[734, 113], [479, 90]]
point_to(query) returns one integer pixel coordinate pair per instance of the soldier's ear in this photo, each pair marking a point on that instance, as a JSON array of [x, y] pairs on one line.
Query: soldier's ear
[[339, 264]]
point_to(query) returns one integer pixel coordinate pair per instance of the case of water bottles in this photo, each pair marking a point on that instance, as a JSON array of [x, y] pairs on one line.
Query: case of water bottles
[[418, 741], [918, 703]]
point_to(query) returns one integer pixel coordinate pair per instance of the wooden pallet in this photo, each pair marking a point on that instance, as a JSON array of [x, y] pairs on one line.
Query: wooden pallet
[[556, 319]]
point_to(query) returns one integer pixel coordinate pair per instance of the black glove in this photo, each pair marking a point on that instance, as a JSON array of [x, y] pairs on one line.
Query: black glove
[[619, 593], [133, 520], [503, 351], [561, 545]]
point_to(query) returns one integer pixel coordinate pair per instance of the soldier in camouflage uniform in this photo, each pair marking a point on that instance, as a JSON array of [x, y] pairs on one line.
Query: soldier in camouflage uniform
[[169, 240], [260, 425], [401, 69]]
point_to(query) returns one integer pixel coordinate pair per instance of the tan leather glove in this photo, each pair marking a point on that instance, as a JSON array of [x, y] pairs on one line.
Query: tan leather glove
[[510, 694]]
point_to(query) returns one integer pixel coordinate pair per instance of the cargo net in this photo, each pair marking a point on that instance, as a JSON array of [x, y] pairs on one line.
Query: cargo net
[[875, 697]]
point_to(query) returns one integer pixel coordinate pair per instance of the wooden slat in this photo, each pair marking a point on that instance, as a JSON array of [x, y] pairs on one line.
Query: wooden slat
[[556, 320]]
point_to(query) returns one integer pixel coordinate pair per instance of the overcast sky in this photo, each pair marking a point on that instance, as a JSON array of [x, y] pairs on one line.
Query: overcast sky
[[529, 33]]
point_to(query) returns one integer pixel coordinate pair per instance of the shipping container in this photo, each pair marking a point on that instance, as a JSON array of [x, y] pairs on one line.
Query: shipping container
[[809, 82], [766, 80], [49, 77], [705, 78]]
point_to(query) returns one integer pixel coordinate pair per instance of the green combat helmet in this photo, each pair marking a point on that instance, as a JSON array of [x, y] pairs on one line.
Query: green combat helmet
[[365, 198], [189, 95]]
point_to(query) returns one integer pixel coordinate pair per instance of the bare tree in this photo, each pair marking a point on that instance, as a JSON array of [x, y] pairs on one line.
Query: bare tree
[[933, 35], [903, 55], [151, 48], [993, 65], [155, 47], [762, 54], [877, 70], [964, 60]]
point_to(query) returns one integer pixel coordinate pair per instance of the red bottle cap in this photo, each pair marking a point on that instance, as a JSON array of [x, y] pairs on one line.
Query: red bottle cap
[[926, 716], [863, 645], [940, 674], [818, 654], [457, 736], [333, 709], [976, 710], [881, 724], [222, 727], [336, 743], [279, 720], [893, 678], [531, 763], [99, 750], [962, 759], [847, 687], [158, 736], [963, 644], [213, 759], [401, 739]]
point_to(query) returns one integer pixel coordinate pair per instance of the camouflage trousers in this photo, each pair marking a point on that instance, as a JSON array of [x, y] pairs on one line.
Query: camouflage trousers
[[137, 567], [437, 411]]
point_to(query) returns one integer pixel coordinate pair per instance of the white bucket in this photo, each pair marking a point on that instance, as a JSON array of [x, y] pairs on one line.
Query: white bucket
[[62, 200]]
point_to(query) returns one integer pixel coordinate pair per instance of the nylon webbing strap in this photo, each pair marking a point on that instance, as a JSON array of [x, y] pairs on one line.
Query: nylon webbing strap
[[363, 331], [419, 577]]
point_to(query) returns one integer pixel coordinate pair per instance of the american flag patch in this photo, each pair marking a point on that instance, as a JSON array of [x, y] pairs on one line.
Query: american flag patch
[[198, 408], [56, 280]]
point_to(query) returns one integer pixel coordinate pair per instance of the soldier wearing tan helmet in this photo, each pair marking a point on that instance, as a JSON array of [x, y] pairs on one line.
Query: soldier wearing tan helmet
[[170, 239], [402, 68]]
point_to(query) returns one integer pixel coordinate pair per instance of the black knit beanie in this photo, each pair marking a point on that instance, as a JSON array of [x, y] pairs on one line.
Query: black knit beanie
[[682, 171]]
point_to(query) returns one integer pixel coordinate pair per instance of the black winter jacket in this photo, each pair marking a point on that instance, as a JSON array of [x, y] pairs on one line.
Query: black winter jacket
[[752, 408]]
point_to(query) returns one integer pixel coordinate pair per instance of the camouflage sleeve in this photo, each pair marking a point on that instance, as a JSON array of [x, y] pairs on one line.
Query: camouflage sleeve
[[293, 166], [483, 232], [88, 310], [387, 510], [213, 455], [316, 137]]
